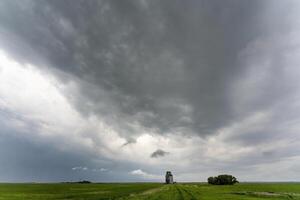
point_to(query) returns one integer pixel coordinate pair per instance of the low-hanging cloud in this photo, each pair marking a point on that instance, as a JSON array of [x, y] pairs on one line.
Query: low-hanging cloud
[[145, 175], [159, 153], [79, 168]]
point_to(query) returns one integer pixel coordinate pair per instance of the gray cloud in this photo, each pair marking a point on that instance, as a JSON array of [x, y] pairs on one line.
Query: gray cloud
[[207, 72], [159, 153], [113, 45]]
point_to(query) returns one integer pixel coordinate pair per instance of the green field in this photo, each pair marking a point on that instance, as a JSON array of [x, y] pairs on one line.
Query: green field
[[151, 191]]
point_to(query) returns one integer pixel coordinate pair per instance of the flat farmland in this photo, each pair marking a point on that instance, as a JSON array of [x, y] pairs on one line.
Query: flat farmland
[[149, 191]]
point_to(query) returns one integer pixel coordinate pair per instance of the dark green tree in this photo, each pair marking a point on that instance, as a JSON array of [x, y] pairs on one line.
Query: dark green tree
[[223, 179]]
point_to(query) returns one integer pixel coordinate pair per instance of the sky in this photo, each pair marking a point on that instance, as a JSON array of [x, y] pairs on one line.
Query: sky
[[120, 91]]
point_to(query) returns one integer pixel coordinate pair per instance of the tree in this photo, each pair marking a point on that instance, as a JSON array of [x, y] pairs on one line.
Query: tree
[[223, 179], [211, 180]]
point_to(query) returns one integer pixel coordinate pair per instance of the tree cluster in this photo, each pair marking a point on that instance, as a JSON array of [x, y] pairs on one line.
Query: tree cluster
[[223, 179]]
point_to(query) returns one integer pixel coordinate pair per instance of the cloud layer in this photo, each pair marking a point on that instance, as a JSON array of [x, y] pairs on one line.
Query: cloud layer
[[121, 91]]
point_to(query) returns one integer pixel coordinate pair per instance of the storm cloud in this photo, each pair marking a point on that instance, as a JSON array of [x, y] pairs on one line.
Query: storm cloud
[[108, 83], [159, 153]]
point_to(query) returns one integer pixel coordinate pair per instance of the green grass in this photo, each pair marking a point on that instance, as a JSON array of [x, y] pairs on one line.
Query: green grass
[[150, 191], [71, 191]]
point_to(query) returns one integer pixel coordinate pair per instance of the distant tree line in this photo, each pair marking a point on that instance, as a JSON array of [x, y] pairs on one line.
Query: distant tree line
[[223, 179], [81, 182]]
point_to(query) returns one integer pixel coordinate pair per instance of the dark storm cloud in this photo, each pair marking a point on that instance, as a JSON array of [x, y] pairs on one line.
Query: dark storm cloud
[[159, 153], [168, 63]]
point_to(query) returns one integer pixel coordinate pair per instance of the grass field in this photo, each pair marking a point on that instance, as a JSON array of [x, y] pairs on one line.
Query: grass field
[[150, 191]]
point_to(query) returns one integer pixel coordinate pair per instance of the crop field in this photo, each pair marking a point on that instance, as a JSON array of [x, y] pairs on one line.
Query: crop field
[[150, 191]]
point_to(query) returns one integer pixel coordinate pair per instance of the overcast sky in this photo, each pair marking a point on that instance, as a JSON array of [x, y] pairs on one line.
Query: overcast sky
[[127, 90]]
